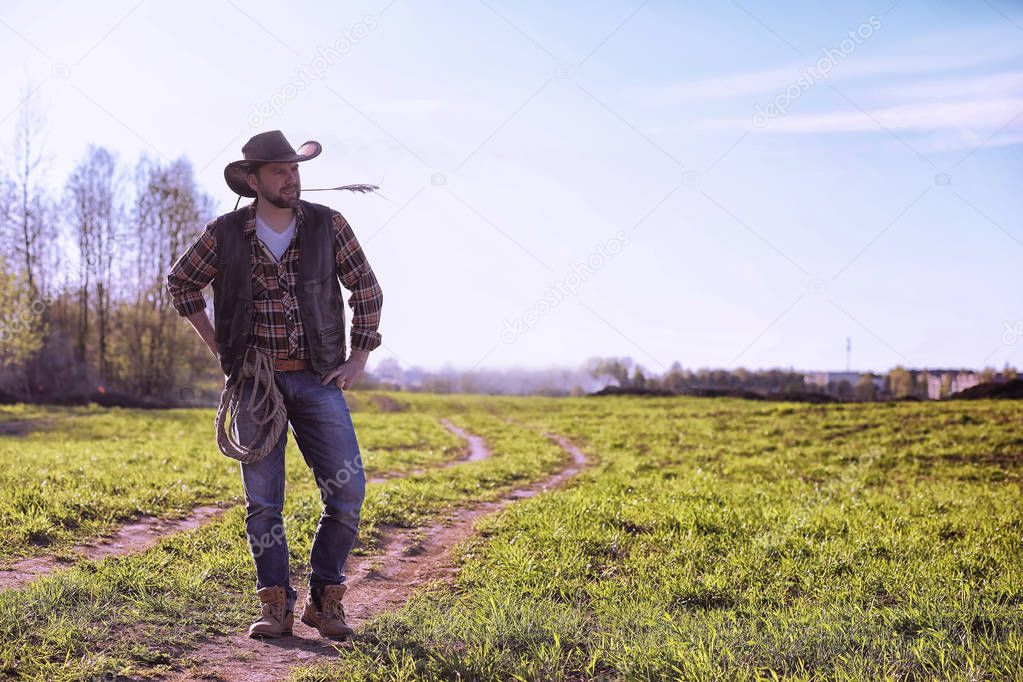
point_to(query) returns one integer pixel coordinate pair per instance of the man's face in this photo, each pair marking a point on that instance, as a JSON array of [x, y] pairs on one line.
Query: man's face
[[278, 183]]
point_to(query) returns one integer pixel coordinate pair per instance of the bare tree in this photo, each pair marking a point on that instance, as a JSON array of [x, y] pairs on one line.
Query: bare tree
[[8, 201], [92, 193], [32, 215], [168, 212]]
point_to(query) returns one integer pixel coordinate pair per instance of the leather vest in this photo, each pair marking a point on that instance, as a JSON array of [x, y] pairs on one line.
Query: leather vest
[[320, 303]]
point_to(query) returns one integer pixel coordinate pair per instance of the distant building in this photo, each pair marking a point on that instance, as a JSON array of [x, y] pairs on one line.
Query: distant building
[[958, 380], [830, 381], [940, 383], [965, 380], [823, 379]]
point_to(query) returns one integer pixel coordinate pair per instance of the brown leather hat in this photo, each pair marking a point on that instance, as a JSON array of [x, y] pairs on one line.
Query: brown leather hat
[[268, 147]]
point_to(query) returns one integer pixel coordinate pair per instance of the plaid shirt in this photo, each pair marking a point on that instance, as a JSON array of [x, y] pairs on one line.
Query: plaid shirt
[[276, 325]]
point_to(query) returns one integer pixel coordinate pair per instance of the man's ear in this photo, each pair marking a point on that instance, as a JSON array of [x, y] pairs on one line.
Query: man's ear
[[251, 179]]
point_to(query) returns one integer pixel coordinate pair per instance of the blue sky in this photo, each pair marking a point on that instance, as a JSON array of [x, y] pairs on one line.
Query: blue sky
[[748, 184]]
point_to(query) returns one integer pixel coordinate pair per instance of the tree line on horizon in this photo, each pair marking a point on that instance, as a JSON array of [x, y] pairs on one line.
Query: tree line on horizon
[[84, 307]]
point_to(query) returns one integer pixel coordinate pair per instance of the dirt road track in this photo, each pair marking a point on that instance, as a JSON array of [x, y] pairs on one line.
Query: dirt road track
[[145, 532], [132, 538], [408, 560]]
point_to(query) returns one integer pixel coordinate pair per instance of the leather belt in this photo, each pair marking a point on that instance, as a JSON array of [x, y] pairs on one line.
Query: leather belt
[[288, 365], [285, 365]]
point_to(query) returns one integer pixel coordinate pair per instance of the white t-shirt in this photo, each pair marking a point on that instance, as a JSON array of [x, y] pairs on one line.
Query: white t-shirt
[[276, 242]]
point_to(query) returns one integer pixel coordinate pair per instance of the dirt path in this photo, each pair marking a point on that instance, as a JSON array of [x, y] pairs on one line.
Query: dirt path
[[22, 427], [477, 446], [477, 450], [407, 560], [144, 533], [130, 539]]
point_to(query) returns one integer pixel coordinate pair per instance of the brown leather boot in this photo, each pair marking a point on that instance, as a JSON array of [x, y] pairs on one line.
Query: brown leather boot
[[273, 620], [329, 619]]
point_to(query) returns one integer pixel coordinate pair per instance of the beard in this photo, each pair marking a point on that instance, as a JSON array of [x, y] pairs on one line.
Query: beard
[[281, 200]]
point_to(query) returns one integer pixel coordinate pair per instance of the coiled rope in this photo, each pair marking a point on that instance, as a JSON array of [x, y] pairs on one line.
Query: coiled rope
[[268, 412]]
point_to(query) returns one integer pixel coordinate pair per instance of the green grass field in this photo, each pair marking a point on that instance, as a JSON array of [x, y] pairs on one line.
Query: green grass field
[[77, 472], [710, 539]]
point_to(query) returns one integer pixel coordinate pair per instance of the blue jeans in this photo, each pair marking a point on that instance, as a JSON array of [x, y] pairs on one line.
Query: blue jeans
[[322, 426]]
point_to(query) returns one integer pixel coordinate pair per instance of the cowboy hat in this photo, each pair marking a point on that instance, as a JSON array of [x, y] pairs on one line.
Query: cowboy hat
[[268, 147]]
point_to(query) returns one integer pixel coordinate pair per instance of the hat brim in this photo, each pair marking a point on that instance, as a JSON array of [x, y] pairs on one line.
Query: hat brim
[[236, 171]]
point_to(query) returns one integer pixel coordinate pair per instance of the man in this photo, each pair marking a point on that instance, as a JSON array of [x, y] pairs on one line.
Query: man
[[275, 266]]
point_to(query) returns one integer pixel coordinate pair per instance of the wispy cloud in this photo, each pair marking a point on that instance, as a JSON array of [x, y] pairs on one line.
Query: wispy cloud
[[921, 117], [936, 126], [975, 86], [943, 99], [751, 83]]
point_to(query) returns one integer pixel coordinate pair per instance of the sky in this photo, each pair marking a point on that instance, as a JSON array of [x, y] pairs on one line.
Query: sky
[[722, 184]]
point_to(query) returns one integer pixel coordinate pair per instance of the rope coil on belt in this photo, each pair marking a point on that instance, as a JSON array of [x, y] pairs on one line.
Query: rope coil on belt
[[267, 412]]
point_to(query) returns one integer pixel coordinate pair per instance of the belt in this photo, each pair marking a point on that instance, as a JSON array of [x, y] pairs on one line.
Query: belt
[[286, 364]]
